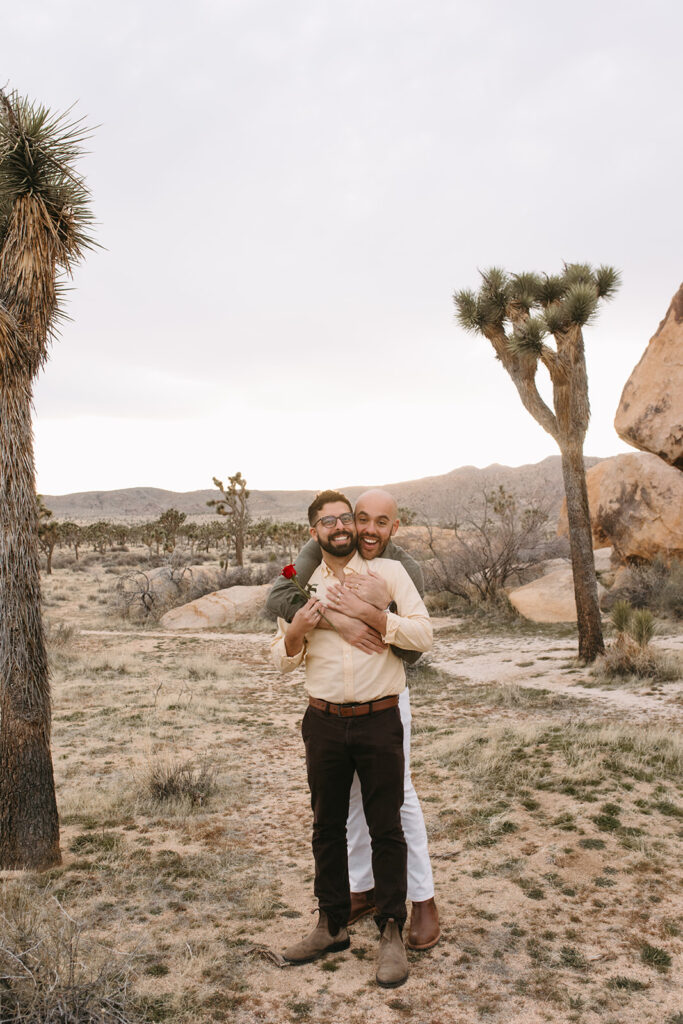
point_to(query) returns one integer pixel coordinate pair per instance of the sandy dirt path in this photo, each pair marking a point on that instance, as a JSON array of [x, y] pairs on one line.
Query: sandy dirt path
[[543, 665], [535, 662]]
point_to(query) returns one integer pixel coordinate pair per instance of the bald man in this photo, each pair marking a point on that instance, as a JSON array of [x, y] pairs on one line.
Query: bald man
[[377, 521]]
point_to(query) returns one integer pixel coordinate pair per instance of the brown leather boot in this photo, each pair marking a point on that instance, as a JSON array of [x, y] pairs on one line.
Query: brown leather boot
[[317, 943], [392, 961], [362, 904], [424, 931]]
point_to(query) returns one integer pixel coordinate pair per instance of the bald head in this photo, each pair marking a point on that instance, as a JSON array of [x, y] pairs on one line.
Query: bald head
[[376, 521], [376, 494]]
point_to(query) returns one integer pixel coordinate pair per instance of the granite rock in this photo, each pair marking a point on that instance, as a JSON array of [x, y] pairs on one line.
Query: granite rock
[[650, 413]]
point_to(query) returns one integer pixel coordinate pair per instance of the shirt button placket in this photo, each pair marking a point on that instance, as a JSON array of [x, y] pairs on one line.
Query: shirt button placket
[[348, 677]]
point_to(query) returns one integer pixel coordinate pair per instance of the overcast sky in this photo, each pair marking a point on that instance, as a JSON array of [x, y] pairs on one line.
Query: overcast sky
[[287, 195]]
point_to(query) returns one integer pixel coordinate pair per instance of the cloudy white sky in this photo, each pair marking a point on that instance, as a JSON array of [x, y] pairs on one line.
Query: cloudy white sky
[[287, 196]]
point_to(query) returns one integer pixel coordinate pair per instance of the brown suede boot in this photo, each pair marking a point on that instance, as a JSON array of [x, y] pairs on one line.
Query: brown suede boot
[[392, 962], [424, 931], [362, 904], [317, 943]]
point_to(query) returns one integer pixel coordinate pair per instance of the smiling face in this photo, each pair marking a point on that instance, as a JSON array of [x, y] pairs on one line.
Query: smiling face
[[340, 539], [376, 522]]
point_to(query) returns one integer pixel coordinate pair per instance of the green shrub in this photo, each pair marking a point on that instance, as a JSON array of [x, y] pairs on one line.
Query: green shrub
[[642, 627], [630, 655], [621, 616]]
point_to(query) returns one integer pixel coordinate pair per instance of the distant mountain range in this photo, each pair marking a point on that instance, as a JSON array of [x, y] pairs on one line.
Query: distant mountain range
[[435, 497]]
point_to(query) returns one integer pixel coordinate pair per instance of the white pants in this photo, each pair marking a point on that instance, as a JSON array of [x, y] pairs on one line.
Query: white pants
[[420, 881]]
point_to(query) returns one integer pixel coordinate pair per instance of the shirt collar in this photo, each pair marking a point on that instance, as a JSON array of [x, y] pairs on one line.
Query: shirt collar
[[354, 564]]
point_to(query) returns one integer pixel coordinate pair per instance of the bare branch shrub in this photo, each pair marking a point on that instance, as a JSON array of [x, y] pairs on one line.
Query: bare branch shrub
[[50, 972], [144, 595], [243, 576], [476, 554], [59, 634], [134, 597], [657, 585]]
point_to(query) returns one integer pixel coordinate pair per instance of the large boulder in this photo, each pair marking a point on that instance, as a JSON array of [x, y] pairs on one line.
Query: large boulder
[[636, 505], [549, 598], [650, 413], [147, 592], [221, 608]]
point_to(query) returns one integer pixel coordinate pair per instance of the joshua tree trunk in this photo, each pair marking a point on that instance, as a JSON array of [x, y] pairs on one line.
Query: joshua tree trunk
[[581, 545], [43, 234], [29, 824], [48, 559]]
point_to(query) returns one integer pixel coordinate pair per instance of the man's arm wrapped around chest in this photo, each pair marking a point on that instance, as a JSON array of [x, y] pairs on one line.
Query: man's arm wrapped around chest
[[285, 599], [409, 627], [414, 570]]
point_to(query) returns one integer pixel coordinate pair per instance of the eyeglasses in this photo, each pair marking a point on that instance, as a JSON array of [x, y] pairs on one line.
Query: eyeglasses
[[330, 521]]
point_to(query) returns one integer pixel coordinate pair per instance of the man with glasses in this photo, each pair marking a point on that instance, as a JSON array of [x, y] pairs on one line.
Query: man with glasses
[[377, 521], [353, 725]]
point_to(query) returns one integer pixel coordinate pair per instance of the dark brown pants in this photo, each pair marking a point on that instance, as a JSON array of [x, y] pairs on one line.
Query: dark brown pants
[[336, 748]]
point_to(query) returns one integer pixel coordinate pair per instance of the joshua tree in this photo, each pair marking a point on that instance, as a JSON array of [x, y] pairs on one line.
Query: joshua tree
[[72, 535], [100, 535], [407, 515], [170, 522], [44, 221], [190, 531], [517, 312], [234, 504], [289, 536], [48, 532]]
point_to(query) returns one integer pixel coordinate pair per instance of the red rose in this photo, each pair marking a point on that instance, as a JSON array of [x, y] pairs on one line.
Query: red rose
[[289, 572]]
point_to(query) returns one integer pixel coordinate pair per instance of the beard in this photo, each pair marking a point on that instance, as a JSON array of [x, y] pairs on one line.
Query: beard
[[339, 549]]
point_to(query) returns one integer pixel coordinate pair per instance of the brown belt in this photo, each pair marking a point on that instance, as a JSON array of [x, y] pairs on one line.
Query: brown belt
[[354, 710]]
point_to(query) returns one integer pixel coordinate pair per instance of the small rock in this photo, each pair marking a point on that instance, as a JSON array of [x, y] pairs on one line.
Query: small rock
[[603, 559]]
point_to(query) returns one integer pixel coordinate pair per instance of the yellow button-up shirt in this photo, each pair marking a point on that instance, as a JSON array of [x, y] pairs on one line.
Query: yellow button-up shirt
[[337, 671]]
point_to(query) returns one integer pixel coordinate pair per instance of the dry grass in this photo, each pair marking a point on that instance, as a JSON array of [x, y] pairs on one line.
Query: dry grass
[[52, 970], [169, 783], [554, 823], [633, 663]]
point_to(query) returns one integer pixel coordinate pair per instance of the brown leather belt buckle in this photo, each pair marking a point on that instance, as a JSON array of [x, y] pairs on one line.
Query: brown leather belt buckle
[[354, 710]]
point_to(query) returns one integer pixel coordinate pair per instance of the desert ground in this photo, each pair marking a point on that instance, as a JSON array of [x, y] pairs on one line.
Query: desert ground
[[553, 802]]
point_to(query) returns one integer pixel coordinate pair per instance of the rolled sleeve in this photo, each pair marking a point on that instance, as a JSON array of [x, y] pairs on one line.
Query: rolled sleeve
[[284, 662], [411, 634]]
